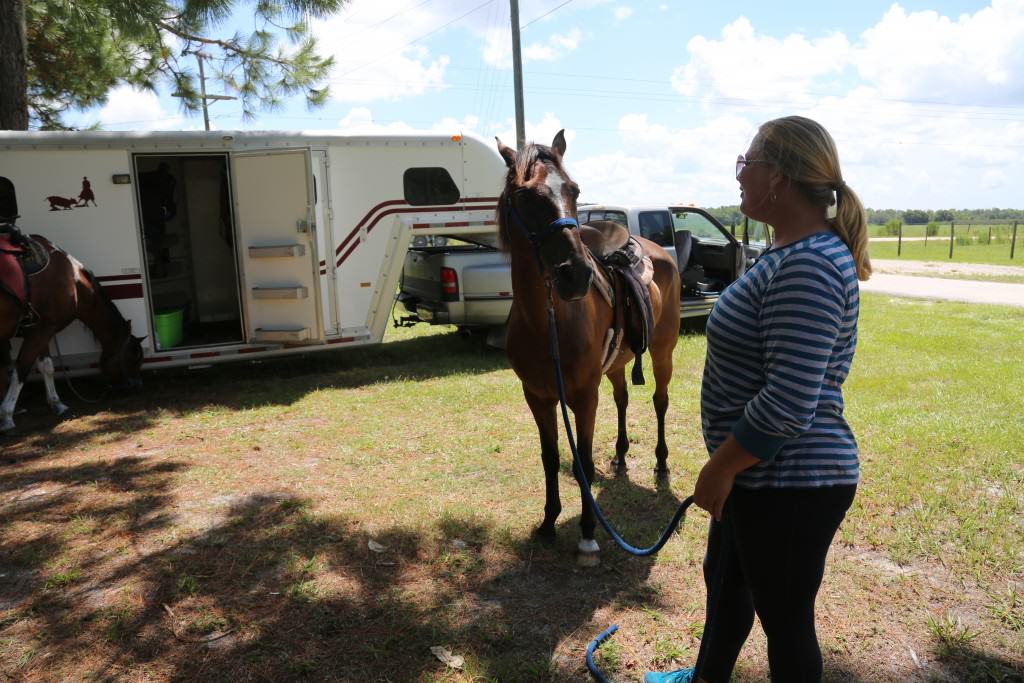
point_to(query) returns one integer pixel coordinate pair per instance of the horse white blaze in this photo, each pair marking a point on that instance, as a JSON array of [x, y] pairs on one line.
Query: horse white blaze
[[555, 181], [10, 400], [45, 368]]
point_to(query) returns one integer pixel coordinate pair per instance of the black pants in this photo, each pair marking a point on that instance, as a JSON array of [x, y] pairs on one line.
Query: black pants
[[767, 555]]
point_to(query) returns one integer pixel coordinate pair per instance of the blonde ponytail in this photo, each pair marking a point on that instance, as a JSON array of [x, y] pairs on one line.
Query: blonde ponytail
[[851, 225]]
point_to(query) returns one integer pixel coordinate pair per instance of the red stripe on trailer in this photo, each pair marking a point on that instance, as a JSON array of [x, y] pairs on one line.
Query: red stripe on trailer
[[158, 359], [389, 212], [124, 291], [254, 349], [111, 278], [394, 202], [340, 340]]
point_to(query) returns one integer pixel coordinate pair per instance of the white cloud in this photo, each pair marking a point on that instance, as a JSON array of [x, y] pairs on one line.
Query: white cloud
[[745, 65], [497, 47], [360, 120], [130, 109], [377, 52], [663, 164], [900, 146], [542, 131], [622, 13], [976, 59]]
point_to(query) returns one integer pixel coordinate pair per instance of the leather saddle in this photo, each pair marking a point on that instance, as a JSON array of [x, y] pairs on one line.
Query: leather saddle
[[622, 277]]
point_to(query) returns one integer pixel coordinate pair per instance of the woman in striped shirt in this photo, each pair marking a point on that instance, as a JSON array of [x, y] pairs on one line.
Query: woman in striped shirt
[[784, 468]]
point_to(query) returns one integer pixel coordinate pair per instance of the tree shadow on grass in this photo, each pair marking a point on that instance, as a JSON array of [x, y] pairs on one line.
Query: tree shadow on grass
[[966, 663], [265, 589]]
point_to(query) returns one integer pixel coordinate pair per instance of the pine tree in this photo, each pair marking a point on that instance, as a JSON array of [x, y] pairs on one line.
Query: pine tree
[[61, 55]]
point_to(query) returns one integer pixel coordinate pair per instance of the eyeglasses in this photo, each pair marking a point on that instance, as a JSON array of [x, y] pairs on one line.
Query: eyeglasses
[[742, 162]]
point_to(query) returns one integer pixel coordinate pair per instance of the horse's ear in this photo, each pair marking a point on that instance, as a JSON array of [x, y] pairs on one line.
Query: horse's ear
[[558, 144], [507, 153]]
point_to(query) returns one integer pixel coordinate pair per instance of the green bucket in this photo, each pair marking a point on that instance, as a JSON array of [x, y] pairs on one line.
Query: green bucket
[[169, 327]]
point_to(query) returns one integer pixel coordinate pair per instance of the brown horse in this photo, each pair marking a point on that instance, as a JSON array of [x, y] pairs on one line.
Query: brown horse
[[61, 292], [536, 222]]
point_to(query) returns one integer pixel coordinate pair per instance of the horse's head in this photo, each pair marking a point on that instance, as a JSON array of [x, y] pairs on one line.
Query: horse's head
[[538, 208], [122, 367]]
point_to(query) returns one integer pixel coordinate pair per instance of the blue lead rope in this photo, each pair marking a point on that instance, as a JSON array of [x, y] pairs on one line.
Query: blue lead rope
[[577, 468]]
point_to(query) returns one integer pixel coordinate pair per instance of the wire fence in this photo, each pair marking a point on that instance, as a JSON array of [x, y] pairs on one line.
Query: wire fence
[[960, 234]]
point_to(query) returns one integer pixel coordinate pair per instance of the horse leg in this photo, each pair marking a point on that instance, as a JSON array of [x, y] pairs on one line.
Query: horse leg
[[662, 377], [6, 372], [44, 364], [584, 407], [621, 393], [31, 346], [547, 426]]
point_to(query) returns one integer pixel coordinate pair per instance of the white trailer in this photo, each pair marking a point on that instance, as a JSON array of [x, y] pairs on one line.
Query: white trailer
[[261, 243]]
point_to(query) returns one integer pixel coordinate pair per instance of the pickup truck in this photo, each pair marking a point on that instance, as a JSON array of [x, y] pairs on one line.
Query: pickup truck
[[468, 282]]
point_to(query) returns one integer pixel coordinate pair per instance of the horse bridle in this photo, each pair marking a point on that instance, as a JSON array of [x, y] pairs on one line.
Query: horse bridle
[[537, 238]]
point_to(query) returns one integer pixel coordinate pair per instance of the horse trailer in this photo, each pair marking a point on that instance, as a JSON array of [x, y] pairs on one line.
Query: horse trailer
[[221, 246]]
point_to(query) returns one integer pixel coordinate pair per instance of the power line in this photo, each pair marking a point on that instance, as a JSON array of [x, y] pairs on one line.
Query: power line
[[553, 9]]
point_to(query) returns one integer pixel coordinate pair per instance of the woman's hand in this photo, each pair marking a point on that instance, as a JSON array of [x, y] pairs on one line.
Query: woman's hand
[[715, 480], [713, 486]]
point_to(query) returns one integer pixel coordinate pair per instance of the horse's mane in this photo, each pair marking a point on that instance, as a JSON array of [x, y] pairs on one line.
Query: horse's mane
[[103, 297], [518, 175]]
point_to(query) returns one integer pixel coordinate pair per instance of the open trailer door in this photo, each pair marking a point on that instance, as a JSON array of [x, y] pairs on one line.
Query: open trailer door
[[277, 246]]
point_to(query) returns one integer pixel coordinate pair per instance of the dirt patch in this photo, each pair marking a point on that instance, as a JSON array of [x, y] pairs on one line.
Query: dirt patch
[[940, 268]]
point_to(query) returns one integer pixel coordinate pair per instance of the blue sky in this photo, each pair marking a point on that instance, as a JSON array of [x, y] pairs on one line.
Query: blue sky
[[924, 99]]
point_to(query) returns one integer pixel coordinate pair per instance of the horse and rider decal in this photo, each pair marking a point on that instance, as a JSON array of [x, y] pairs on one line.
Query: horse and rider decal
[[62, 203]]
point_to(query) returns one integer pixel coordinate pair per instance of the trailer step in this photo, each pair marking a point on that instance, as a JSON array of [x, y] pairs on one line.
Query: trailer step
[[289, 292], [282, 334], [277, 251]]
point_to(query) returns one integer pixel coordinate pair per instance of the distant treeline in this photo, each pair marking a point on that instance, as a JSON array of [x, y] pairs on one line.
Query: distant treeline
[[731, 214]]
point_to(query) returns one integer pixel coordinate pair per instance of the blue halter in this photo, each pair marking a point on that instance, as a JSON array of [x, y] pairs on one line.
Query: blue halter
[[537, 238]]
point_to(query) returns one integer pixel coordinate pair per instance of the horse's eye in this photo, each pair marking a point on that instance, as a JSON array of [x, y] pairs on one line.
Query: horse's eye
[[575, 191]]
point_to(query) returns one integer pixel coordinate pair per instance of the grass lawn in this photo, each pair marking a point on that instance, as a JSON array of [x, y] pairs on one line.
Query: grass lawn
[[335, 517], [938, 250]]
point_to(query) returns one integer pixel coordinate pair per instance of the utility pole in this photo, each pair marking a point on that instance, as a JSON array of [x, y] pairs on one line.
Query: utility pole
[[202, 88], [517, 75]]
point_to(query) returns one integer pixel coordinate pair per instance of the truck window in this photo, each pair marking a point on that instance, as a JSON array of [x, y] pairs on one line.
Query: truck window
[[617, 216], [428, 186], [657, 227], [699, 226]]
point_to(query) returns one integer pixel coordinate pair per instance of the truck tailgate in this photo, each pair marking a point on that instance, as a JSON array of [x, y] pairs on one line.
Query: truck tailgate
[[487, 281]]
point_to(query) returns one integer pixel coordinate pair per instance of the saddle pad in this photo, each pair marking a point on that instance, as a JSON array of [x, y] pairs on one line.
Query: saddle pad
[[36, 256], [7, 246], [12, 279]]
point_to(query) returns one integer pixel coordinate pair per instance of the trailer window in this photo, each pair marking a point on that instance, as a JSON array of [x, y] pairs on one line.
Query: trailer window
[[425, 186]]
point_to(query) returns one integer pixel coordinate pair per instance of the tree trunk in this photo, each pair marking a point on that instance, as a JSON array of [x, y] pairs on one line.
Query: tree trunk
[[13, 76]]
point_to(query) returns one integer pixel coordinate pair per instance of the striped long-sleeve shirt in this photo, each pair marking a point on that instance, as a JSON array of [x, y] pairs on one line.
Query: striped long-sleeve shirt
[[780, 342]]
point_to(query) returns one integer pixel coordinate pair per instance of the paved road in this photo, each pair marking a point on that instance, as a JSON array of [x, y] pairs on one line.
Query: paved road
[[973, 291]]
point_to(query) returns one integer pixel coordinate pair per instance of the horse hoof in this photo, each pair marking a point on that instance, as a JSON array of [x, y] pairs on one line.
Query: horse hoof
[[618, 466], [544, 535], [6, 426], [59, 409], [588, 559]]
